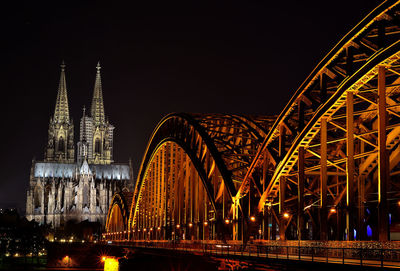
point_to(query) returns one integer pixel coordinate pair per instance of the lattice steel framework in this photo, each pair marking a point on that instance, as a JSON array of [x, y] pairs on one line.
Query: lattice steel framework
[[193, 165], [343, 128], [326, 168]]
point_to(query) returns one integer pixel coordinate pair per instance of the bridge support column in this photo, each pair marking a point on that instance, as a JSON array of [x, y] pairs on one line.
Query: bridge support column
[[324, 179], [235, 220], [383, 163], [282, 220], [350, 167], [300, 195]]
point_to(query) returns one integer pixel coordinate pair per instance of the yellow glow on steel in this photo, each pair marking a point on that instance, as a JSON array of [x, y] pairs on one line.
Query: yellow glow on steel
[[205, 223], [190, 224], [252, 218], [332, 211], [286, 215], [227, 221], [111, 264]]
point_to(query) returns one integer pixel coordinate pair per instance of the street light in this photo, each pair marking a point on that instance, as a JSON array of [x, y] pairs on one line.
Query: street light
[[227, 221], [253, 218], [205, 223], [190, 224], [332, 211], [286, 215]]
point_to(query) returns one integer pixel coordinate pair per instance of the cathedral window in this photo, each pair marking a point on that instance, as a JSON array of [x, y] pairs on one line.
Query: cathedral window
[[61, 144], [97, 146]]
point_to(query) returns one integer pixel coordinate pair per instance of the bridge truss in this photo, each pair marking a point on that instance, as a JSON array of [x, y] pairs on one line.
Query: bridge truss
[[326, 168]]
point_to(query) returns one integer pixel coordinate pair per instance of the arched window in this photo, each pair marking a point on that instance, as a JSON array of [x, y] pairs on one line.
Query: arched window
[[97, 146], [61, 145]]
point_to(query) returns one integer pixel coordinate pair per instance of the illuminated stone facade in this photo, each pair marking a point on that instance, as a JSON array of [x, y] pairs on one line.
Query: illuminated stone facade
[[63, 188]]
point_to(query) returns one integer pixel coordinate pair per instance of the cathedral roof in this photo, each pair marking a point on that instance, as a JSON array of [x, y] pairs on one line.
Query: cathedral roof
[[63, 170], [61, 111], [97, 109], [85, 168]]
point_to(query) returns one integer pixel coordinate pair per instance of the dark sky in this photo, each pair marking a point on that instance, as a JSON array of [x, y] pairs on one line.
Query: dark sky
[[244, 57]]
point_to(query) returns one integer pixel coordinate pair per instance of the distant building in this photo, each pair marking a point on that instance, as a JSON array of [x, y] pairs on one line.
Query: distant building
[[63, 187]]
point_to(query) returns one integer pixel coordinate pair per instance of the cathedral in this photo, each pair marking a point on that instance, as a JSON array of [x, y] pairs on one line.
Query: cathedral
[[76, 185]]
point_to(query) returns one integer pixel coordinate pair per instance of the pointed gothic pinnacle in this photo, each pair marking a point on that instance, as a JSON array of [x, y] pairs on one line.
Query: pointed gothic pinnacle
[[62, 66], [98, 67]]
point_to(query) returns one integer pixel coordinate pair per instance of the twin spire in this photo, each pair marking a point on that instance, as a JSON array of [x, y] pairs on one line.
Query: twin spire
[[97, 109], [61, 111]]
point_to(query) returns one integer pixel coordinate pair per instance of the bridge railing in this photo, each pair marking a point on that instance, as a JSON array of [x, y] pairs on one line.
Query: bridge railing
[[381, 257]]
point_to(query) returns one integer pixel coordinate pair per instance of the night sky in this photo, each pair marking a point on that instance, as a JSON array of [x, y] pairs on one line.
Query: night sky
[[245, 57]]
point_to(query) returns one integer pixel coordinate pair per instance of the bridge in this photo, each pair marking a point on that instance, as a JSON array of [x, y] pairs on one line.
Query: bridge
[[326, 168]]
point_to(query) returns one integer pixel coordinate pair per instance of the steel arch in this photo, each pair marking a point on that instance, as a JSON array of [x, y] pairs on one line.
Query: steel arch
[[216, 136]]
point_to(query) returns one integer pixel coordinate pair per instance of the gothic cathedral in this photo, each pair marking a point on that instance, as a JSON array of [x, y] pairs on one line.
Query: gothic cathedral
[[63, 187]]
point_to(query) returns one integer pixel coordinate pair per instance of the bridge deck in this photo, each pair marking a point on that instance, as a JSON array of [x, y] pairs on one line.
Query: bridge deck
[[388, 258]]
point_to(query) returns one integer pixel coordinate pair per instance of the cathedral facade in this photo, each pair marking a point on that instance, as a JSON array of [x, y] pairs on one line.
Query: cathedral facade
[[76, 185]]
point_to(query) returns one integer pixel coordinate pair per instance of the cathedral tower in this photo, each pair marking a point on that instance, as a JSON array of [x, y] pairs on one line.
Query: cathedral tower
[[60, 144], [96, 133]]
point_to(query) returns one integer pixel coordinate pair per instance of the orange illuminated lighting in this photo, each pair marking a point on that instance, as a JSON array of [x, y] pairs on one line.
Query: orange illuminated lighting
[[190, 224], [178, 226], [144, 229], [253, 218], [398, 203], [151, 229], [103, 259], [111, 264], [205, 223], [66, 259], [227, 221], [138, 230], [286, 215], [159, 228], [332, 211]]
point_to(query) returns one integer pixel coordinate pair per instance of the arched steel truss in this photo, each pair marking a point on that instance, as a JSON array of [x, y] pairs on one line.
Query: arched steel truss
[[219, 148], [317, 171], [334, 138], [118, 215]]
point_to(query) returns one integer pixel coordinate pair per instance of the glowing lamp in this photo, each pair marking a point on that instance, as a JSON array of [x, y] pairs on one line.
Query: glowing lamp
[[151, 229], [111, 264], [286, 215], [252, 218], [159, 228], [144, 229], [332, 211], [190, 224], [205, 223], [178, 226], [227, 221], [103, 259]]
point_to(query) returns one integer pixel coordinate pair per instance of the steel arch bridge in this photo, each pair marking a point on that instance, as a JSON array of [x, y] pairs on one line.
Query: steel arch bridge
[[326, 168]]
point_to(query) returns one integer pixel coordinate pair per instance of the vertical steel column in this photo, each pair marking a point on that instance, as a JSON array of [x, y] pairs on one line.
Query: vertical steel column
[[350, 167], [323, 179], [300, 194], [282, 220], [383, 165]]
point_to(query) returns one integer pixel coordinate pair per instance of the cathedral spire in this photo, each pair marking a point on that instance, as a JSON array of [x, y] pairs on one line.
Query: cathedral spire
[[97, 109], [61, 111]]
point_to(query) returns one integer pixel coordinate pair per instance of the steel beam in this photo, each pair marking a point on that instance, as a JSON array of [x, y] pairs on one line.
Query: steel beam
[[383, 165], [323, 181], [350, 167]]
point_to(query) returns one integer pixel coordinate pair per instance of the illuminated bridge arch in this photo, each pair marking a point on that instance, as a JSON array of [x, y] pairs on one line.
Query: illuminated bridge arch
[[118, 215], [192, 167], [337, 142]]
